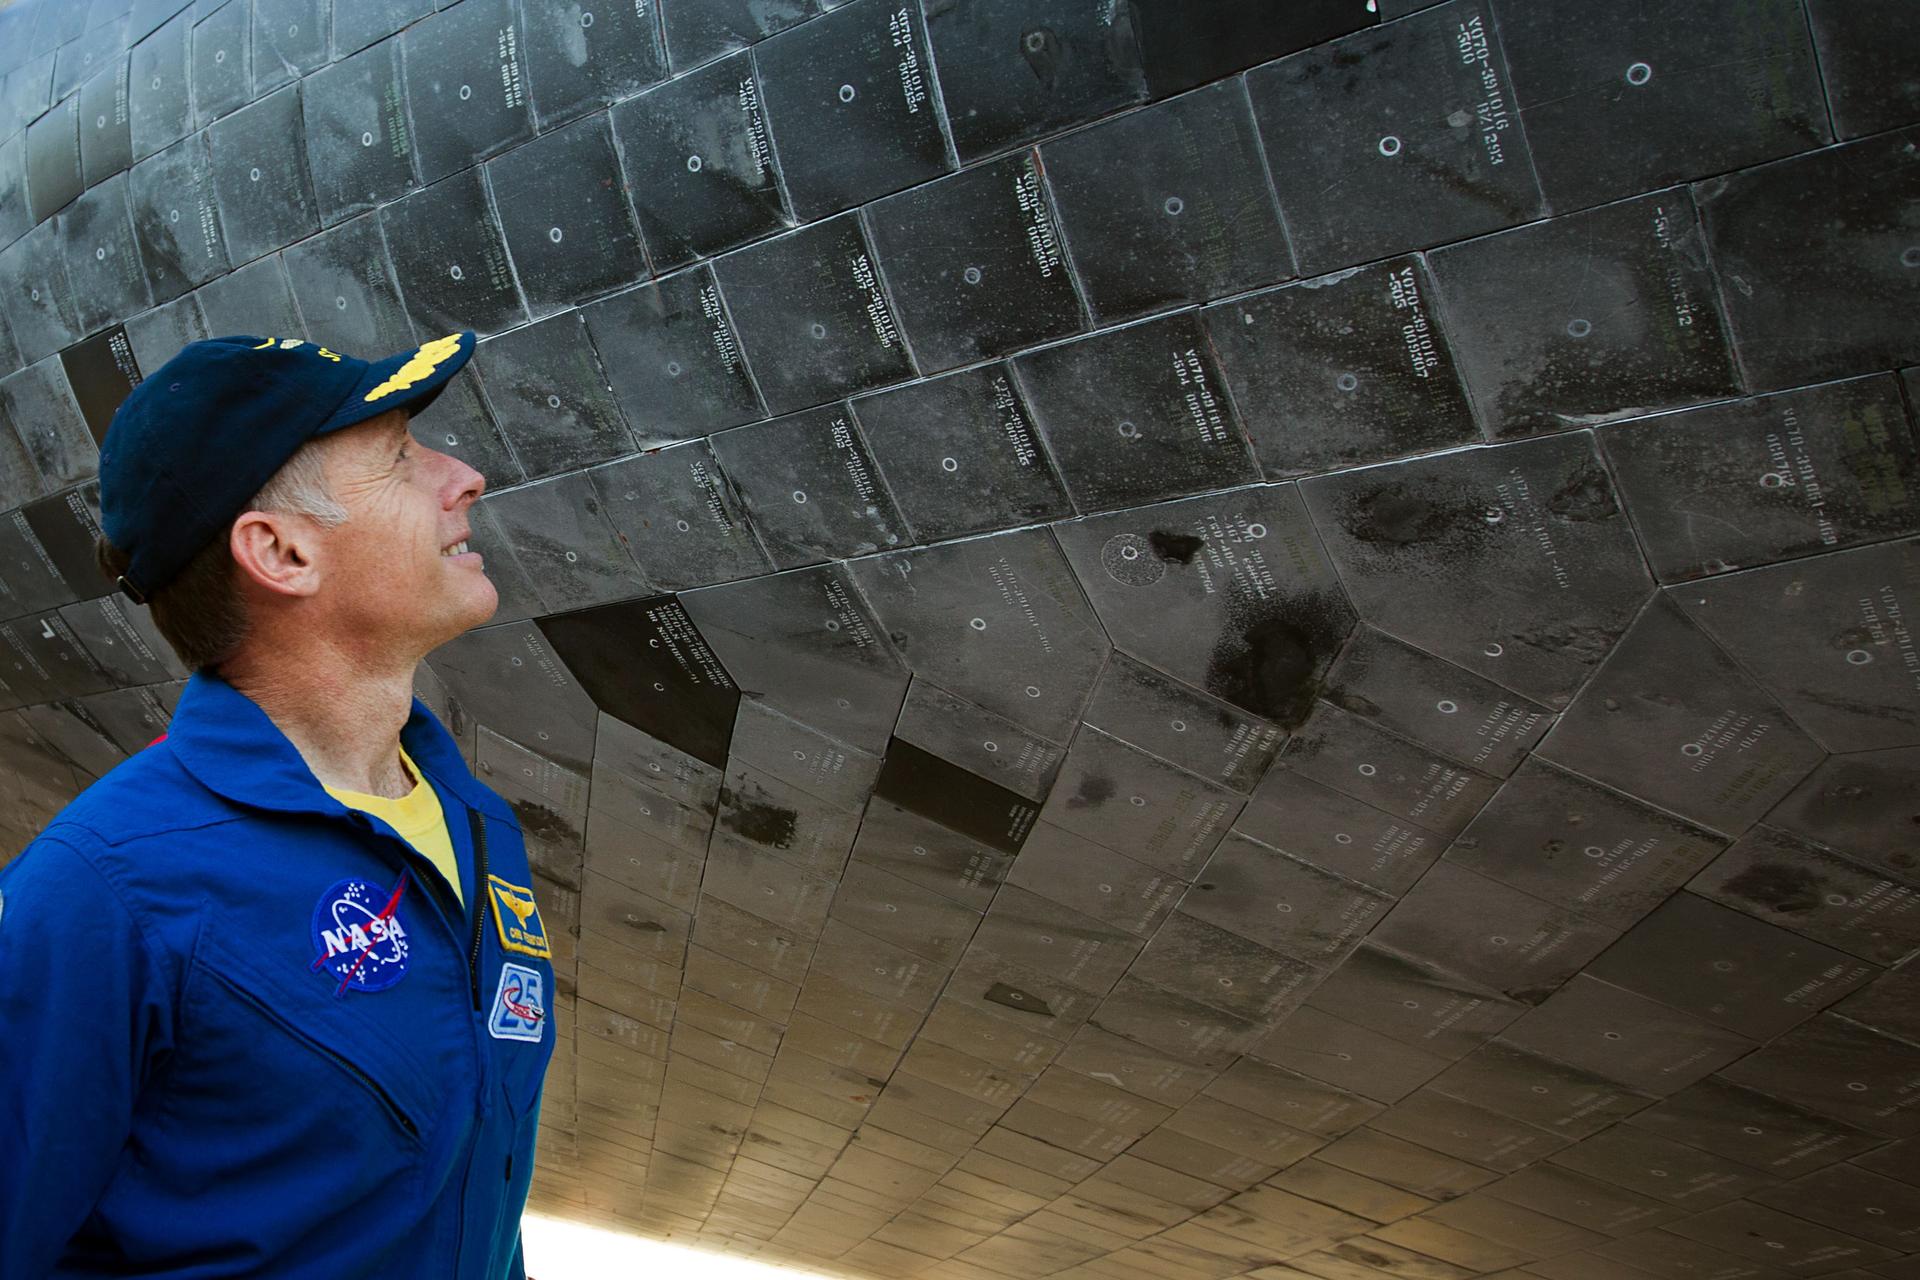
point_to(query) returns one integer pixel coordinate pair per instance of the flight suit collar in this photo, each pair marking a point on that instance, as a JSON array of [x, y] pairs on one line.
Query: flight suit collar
[[224, 739]]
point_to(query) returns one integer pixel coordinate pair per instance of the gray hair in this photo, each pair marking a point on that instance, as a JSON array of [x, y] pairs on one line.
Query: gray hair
[[299, 487]]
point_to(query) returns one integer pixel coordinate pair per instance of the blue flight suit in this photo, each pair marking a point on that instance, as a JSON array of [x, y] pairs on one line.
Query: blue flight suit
[[220, 1055]]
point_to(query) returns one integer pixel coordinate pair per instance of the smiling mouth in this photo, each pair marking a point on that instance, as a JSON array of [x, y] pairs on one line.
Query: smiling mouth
[[459, 548]]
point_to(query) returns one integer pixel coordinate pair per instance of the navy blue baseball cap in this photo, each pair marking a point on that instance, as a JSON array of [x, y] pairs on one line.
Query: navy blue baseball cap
[[196, 439]]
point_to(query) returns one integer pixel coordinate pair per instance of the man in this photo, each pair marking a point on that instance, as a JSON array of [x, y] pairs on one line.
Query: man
[[275, 991]]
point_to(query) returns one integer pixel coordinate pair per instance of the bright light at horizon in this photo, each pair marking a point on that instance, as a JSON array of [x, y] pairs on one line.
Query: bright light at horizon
[[560, 1250]]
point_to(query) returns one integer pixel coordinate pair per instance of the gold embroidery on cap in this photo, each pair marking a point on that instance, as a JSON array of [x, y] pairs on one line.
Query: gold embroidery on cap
[[419, 366]]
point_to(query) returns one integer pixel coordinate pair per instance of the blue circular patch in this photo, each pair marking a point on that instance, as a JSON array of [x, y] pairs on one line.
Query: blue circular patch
[[359, 937]]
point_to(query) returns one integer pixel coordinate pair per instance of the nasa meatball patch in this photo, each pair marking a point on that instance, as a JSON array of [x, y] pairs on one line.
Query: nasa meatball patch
[[358, 935]]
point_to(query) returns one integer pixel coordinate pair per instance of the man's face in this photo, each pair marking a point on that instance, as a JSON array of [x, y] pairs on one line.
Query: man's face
[[388, 578]]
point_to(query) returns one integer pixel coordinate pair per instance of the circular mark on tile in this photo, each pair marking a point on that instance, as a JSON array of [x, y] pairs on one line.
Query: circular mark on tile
[[1347, 382], [1611, 1035], [847, 93], [948, 464], [456, 272], [100, 121], [1691, 749], [1723, 966], [1594, 851], [1859, 657], [253, 174], [219, 56], [173, 215], [1174, 206], [818, 330], [572, 557], [553, 402], [1446, 706], [1036, 41], [466, 91], [1639, 73], [1837, 899], [1390, 145], [1033, 691], [100, 254], [1579, 328], [339, 302], [682, 525], [517, 662], [156, 82], [1855, 1086], [1341, 837], [1368, 770], [1493, 650], [1138, 802], [833, 624], [1772, 480], [990, 746], [1497, 940], [293, 28], [695, 164], [1128, 431], [586, 19], [366, 139], [800, 497], [1128, 559], [452, 440], [1910, 257], [673, 368], [1256, 531], [1178, 726], [555, 234], [1284, 908], [978, 624], [971, 275]]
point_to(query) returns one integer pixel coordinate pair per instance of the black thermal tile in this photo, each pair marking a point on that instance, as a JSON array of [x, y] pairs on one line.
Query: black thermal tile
[[290, 39], [176, 219], [851, 101], [961, 454], [254, 299], [53, 159], [452, 263], [698, 31], [1821, 265], [101, 371], [106, 140], [551, 398], [260, 176], [1184, 43], [812, 316], [39, 302], [358, 23], [700, 169], [347, 291], [1137, 414], [1397, 138], [580, 58], [563, 207], [1618, 98], [159, 109], [1011, 72], [1604, 314], [103, 260], [974, 264], [1168, 205], [1868, 50], [811, 487], [222, 80], [669, 350], [466, 85], [1342, 370], [359, 141], [15, 220]]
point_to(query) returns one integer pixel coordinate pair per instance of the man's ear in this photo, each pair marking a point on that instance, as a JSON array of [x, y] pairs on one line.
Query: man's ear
[[277, 551]]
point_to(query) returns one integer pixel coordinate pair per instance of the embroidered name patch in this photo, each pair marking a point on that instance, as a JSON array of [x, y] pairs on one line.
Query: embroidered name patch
[[358, 935], [518, 919], [519, 1007]]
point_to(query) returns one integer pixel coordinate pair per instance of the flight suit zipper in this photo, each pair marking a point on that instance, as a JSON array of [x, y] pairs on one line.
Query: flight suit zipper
[[478, 825], [480, 903]]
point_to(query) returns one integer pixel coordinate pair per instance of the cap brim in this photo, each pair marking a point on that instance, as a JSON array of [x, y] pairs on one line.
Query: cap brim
[[411, 381]]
